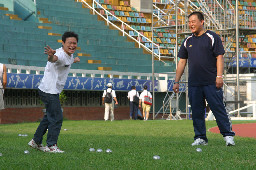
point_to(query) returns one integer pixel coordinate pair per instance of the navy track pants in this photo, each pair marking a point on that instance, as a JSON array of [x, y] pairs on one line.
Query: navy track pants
[[214, 97]]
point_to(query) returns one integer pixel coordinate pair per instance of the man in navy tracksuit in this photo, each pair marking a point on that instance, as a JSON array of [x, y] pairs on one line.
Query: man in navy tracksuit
[[204, 52]]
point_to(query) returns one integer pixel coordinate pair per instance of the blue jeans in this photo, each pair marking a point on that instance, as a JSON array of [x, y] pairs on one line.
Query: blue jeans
[[214, 97], [51, 121], [133, 110]]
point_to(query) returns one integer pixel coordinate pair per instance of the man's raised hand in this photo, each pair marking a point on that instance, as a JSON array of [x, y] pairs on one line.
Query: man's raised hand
[[49, 51], [77, 59]]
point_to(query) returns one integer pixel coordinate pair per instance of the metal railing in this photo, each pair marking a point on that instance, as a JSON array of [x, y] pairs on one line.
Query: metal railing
[[245, 107], [160, 14], [123, 25], [167, 105], [216, 16], [212, 21]]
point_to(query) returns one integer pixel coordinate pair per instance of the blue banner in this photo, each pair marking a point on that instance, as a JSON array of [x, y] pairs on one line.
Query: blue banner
[[244, 62], [32, 81]]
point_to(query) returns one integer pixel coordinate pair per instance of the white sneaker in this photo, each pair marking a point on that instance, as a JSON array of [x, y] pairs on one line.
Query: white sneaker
[[54, 149], [199, 141], [40, 147], [229, 140]]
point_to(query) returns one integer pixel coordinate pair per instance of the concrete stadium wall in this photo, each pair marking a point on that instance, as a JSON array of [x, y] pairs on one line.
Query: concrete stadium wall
[[24, 8], [33, 114]]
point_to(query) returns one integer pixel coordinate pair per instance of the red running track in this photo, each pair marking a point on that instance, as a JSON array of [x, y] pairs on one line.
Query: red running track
[[243, 130]]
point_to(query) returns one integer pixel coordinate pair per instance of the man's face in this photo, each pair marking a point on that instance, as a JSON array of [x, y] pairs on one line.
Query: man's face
[[195, 25], [70, 45]]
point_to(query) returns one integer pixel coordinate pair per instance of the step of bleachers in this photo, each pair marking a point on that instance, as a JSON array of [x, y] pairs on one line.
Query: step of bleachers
[[56, 13], [2, 8], [59, 7]]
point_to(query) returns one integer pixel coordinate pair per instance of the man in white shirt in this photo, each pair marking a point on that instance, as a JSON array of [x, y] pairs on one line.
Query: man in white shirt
[[133, 104], [55, 76], [145, 107], [107, 100]]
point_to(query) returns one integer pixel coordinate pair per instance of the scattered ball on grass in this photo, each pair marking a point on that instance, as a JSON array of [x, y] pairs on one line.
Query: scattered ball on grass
[[156, 157], [198, 149]]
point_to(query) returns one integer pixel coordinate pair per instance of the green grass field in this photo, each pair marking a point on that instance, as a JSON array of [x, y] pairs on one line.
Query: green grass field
[[133, 145]]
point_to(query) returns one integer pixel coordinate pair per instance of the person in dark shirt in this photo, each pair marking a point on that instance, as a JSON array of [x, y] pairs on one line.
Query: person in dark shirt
[[203, 50]]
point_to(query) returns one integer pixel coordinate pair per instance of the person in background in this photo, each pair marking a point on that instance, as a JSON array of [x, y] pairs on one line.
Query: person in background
[[107, 100], [3, 82], [145, 107], [133, 104], [54, 79]]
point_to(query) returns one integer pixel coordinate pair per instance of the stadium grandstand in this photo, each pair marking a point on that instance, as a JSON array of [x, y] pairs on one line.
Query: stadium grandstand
[[125, 42]]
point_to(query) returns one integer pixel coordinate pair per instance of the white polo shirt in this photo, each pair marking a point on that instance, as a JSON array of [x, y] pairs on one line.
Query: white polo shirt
[[113, 93], [55, 74], [131, 94], [145, 93]]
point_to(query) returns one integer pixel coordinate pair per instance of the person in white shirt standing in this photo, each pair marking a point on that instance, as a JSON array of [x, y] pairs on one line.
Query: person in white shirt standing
[[54, 79], [145, 107], [133, 104], [107, 100], [3, 82]]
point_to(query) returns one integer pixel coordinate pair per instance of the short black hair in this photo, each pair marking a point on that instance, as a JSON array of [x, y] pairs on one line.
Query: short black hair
[[199, 15], [133, 87], [69, 34], [145, 87]]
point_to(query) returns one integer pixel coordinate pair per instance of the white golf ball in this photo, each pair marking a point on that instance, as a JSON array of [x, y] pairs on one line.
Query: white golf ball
[[99, 150], [198, 149], [19, 134], [108, 150], [26, 152], [65, 129], [156, 157], [91, 149]]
